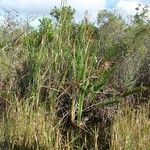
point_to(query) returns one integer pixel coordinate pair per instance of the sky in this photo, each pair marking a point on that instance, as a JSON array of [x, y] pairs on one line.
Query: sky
[[43, 7]]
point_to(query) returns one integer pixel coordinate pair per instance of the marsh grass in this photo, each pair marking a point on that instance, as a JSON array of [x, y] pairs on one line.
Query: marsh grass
[[24, 128], [131, 129], [56, 82], [51, 69]]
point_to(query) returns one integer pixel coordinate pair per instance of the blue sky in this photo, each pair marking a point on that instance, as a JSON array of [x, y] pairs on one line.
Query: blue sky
[[43, 7]]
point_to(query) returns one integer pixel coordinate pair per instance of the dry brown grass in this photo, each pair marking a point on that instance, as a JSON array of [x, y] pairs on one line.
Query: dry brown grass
[[131, 129]]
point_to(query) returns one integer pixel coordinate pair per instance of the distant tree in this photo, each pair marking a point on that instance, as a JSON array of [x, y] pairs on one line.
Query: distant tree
[[105, 16], [63, 15], [111, 33], [141, 15]]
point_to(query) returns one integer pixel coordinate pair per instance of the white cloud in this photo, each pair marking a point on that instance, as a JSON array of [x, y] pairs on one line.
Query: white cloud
[[44, 6], [93, 6], [127, 6], [30, 5]]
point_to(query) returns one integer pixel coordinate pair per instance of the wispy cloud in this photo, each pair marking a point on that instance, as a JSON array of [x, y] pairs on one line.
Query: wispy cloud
[[92, 6], [29, 5], [127, 6], [44, 7]]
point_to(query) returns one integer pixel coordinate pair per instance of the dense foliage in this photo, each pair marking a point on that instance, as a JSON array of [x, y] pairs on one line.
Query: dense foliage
[[62, 84]]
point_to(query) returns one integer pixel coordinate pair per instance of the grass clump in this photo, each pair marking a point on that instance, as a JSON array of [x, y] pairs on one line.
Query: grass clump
[[131, 129], [25, 128]]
